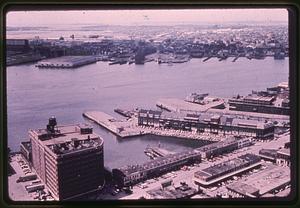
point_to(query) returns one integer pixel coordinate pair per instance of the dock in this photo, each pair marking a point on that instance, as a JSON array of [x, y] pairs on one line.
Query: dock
[[155, 152], [66, 62], [120, 128], [130, 128], [178, 105]]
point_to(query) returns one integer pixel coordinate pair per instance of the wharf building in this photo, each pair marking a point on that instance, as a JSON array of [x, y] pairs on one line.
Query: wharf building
[[132, 174], [219, 172], [273, 101], [219, 148], [68, 159], [206, 122]]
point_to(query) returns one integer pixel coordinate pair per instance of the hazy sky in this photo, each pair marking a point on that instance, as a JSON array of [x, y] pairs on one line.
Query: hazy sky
[[132, 17]]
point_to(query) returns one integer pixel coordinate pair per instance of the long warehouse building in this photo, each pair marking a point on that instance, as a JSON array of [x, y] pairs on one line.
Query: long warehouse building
[[206, 122]]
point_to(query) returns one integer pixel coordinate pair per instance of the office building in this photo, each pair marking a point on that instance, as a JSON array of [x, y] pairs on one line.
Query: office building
[[68, 159]]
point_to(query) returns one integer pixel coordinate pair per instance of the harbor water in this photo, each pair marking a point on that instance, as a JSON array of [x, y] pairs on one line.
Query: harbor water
[[33, 95]]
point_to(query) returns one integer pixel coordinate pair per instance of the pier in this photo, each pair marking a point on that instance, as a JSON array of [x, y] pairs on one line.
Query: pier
[[155, 152], [66, 62], [178, 105], [130, 128], [120, 128]]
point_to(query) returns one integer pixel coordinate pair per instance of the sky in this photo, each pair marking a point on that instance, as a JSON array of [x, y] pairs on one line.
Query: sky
[[144, 17]]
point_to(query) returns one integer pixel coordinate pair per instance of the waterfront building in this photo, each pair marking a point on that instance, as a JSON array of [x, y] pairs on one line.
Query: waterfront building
[[132, 174], [17, 45], [206, 122], [273, 101], [228, 145], [68, 159], [66, 62], [222, 171]]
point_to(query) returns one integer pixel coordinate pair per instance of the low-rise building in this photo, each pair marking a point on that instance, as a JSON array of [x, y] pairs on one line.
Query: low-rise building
[[273, 101], [228, 145], [206, 122], [222, 171], [132, 174]]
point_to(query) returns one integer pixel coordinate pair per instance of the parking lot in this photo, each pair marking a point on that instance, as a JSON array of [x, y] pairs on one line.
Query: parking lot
[[186, 174]]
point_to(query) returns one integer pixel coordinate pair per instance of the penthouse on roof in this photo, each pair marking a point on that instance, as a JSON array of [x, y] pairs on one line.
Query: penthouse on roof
[[68, 159]]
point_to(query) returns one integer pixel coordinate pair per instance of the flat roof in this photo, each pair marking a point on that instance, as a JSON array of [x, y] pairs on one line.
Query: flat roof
[[228, 165], [217, 145], [284, 151], [268, 179], [68, 138], [129, 169], [243, 188]]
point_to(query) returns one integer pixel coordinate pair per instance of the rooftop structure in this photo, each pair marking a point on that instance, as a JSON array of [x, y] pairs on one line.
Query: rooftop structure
[[68, 159]]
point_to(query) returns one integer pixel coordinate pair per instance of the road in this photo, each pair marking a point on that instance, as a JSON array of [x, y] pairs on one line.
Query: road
[[187, 176]]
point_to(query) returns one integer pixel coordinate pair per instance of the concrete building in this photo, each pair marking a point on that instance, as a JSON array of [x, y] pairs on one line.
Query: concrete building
[[68, 159], [206, 122]]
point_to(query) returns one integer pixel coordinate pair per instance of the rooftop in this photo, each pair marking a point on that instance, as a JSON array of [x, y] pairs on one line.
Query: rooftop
[[243, 188], [127, 170], [225, 120], [66, 138], [217, 145], [268, 179], [221, 168]]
